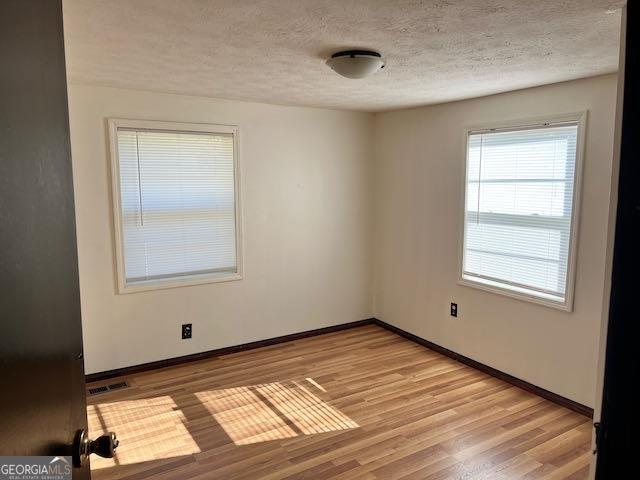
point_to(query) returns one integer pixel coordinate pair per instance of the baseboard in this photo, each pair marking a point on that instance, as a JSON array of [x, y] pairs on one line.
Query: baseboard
[[119, 372], [541, 392]]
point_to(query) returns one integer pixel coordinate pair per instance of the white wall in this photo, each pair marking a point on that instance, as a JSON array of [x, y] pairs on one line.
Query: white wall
[[419, 172], [306, 176], [309, 213]]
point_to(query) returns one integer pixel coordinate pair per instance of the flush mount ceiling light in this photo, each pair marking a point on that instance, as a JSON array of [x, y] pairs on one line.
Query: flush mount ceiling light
[[356, 63]]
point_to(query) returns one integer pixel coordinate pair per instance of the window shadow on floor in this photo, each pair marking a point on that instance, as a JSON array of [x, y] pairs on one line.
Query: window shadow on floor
[[173, 427]]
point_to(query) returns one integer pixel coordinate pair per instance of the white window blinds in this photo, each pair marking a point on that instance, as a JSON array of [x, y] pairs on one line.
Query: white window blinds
[[519, 207], [177, 204]]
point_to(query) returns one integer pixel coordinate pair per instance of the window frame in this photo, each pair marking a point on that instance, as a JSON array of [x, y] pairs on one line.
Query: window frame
[[177, 281], [580, 118]]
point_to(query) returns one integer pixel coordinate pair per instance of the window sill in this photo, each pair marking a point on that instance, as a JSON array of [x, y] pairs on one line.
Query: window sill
[[566, 306], [145, 286]]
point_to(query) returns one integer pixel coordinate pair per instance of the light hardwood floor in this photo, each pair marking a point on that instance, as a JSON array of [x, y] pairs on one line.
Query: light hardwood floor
[[357, 404]]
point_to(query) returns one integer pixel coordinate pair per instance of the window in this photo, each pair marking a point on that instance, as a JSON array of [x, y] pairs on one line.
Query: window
[[521, 210], [175, 189]]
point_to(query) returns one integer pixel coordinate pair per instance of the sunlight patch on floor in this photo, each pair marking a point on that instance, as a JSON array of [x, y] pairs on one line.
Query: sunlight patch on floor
[[148, 429], [165, 427], [272, 411]]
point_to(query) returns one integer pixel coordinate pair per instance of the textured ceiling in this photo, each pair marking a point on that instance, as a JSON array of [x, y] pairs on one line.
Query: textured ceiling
[[274, 50]]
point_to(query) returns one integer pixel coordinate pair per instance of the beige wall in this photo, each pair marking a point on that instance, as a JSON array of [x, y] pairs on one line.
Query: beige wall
[[419, 172], [310, 202], [306, 187]]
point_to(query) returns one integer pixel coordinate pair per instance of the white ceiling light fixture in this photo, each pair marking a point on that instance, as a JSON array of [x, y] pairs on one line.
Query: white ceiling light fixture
[[356, 63]]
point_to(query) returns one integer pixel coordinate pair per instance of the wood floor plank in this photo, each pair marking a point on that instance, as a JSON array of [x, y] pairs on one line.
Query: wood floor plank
[[360, 404]]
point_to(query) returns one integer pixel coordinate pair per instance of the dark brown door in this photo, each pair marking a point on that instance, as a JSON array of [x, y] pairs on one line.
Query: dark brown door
[[42, 397], [620, 423]]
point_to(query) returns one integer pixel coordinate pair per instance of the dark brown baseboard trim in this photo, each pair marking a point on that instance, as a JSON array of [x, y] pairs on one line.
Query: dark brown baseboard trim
[[541, 392], [169, 362]]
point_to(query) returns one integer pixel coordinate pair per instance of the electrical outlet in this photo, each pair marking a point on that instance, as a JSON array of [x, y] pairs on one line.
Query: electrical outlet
[[454, 309], [187, 330]]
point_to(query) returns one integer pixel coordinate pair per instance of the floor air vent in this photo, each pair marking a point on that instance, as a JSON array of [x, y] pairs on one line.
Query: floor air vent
[[97, 390], [116, 386], [106, 388]]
